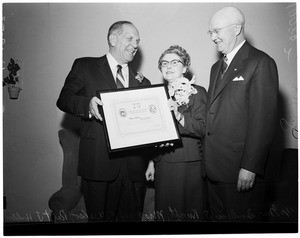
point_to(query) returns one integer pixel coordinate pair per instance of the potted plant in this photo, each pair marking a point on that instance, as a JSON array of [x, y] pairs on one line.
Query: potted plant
[[12, 80]]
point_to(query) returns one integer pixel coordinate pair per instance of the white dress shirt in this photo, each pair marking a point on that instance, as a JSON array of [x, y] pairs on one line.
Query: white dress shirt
[[113, 66], [231, 55]]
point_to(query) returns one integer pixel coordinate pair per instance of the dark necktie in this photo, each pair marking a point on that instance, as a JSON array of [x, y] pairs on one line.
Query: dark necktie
[[222, 71], [119, 77], [224, 65]]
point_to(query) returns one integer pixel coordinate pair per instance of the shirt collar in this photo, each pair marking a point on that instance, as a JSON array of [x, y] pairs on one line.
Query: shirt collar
[[231, 55], [113, 63]]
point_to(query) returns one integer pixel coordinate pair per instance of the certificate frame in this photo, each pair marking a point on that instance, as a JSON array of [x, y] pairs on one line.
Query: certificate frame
[[137, 117]]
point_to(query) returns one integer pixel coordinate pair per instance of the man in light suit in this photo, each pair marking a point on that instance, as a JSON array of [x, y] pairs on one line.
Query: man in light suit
[[241, 121], [112, 183]]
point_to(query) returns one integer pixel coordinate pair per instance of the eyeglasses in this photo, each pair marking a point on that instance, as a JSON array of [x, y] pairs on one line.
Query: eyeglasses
[[217, 30], [173, 63]]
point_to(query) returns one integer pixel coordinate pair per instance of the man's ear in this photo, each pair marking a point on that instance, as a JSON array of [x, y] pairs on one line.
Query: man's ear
[[112, 39], [238, 29]]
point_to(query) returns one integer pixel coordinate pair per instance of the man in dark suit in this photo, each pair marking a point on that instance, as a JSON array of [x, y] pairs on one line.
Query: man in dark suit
[[241, 121], [112, 183]]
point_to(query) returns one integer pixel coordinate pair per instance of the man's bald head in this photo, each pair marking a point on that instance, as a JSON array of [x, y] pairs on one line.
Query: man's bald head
[[229, 15], [226, 28]]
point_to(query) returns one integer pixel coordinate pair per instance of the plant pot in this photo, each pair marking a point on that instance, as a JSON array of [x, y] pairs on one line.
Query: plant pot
[[14, 92]]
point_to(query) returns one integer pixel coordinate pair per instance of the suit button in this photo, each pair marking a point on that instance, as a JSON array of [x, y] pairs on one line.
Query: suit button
[[209, 133]]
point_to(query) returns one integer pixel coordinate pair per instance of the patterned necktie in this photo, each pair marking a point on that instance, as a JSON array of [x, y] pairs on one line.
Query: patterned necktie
[[119, 77], [222, 71], [224, 65]]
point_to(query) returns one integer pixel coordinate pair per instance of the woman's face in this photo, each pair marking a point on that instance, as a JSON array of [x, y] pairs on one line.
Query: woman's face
[[172, 67]]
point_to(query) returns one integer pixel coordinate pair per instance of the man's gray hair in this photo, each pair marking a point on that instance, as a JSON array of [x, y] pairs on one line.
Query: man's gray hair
[[117, 27]]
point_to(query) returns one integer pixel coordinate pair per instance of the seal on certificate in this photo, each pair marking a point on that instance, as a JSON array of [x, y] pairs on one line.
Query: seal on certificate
[[152, 108], [123, 112]]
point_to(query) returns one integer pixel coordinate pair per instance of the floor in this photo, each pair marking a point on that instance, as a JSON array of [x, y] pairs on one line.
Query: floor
[[78, 214]]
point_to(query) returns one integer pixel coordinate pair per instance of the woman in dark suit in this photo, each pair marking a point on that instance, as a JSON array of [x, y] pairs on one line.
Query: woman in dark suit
[[178, 182]]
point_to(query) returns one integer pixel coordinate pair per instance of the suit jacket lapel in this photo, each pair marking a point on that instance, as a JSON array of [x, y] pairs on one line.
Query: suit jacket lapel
[[105, 71], [236, 65], [133, 82], [216, 76]]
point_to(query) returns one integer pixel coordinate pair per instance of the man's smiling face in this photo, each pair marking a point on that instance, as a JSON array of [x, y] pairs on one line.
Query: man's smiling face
[[125, 44]]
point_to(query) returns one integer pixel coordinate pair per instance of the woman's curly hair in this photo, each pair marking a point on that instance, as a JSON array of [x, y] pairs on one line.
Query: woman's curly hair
[[181, 52]]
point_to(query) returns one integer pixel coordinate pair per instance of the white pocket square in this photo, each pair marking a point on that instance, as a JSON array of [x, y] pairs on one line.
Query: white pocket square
[[238, 79]]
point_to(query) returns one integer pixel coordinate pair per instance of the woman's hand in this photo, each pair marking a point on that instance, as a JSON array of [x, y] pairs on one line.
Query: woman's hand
[[165, 145], [173, 106], [150, 171]]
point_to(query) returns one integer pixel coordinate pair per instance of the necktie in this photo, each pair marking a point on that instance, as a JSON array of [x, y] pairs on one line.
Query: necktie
[[222, 71], [119, 77], [224, 65]]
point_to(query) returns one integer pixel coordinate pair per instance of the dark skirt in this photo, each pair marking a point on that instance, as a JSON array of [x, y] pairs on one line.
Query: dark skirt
[[179, 191]]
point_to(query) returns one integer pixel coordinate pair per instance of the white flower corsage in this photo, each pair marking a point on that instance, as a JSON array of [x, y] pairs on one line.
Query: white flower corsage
[[181, 89], [139, 76]]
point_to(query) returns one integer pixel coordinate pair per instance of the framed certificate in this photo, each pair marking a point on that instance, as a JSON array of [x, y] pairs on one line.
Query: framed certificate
[[135, 117]]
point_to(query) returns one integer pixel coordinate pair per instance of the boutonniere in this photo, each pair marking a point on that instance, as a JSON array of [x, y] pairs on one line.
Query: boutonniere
[[181, 89], [139, 76]]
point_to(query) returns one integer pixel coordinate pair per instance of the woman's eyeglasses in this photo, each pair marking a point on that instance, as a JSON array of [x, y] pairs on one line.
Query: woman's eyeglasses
[[173, 63]]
